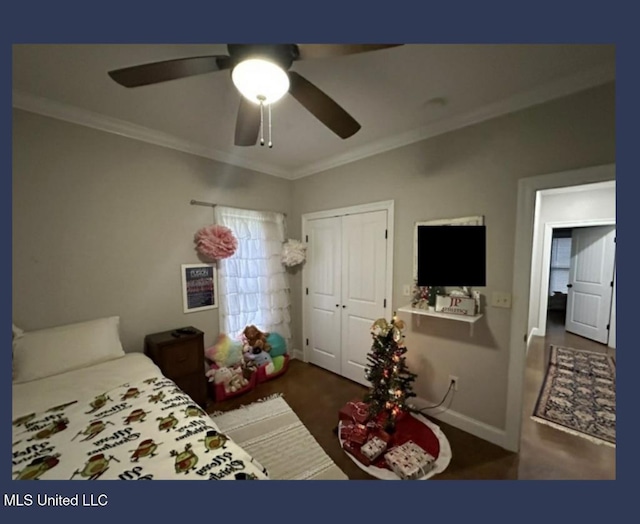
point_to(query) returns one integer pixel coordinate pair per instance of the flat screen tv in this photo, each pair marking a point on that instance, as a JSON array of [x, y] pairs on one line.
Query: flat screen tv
[[451, 255]]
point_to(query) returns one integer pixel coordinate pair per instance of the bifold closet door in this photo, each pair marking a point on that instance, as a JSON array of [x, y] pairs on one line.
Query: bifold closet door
[[346, 265], [324, 283]]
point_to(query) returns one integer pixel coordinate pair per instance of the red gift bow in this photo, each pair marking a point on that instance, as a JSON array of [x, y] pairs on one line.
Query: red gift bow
[[359, 411], [371, 428]]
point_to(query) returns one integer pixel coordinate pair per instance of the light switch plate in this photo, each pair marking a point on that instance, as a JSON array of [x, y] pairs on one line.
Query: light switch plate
[[501, 299]]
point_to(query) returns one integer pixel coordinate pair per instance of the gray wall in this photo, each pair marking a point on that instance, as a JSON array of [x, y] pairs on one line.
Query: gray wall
[[102, 223], [471, 171]]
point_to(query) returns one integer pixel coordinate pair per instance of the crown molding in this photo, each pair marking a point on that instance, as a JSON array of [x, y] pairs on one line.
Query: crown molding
[[545, 93], [61, 111]]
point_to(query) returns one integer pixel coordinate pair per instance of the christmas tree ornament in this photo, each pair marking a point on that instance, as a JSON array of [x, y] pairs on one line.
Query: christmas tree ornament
[[380, 327]]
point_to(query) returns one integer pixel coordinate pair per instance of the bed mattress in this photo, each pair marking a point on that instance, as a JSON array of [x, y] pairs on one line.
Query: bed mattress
[[120, 419]]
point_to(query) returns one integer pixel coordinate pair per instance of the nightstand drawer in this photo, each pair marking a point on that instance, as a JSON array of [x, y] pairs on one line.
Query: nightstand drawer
[[181, 359]]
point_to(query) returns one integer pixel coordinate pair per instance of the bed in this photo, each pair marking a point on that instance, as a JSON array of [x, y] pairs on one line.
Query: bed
[[83, 409]]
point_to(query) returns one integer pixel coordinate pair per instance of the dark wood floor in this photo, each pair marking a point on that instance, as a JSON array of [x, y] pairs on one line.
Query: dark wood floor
[[316, 395]]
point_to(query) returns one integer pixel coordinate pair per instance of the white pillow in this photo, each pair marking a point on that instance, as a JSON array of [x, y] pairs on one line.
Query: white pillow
[[16, 331], [46, 352]]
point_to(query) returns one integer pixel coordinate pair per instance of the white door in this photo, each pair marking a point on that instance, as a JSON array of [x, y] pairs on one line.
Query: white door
[[591, 282], [364, 265], [324, 283]]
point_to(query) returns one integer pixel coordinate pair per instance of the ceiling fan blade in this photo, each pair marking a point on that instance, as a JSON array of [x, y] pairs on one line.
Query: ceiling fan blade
[[308, 51], [247, 123], [157, 72], [322, 106]]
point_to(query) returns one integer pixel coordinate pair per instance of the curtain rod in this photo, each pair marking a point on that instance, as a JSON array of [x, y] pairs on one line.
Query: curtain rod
[[211, 204]]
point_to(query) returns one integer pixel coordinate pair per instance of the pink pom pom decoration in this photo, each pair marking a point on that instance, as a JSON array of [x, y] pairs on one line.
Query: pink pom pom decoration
[[215, 242]]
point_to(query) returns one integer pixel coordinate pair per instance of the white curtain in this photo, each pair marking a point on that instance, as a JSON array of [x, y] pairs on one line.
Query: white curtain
[[253, 284]]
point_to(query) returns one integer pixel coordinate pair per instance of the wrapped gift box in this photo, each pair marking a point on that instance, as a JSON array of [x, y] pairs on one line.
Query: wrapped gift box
[[354, 411], [345, 430], [358, 434], [373, 448], [375, 430], [355, 450], [350, 431], [409, 461]]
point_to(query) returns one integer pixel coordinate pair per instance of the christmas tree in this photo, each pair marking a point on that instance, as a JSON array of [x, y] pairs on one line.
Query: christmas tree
[[391, 380]]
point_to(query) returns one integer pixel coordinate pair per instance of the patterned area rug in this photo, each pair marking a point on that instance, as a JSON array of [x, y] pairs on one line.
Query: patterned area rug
[[272, 433], [578, 395]]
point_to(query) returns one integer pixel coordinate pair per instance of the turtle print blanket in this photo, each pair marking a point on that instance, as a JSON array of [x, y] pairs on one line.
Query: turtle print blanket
[[149, 430]]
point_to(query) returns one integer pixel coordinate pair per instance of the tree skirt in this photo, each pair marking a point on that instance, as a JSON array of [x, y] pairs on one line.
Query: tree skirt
[[578, 395], [424, 433]]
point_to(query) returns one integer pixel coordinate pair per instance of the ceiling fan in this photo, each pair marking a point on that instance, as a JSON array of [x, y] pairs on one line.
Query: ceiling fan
[[262, 74]]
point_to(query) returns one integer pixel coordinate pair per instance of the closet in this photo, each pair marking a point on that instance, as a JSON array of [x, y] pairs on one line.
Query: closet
[[347, 284]]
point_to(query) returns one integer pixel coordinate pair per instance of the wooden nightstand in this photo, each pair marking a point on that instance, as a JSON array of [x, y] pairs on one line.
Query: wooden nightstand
[[181, 359]]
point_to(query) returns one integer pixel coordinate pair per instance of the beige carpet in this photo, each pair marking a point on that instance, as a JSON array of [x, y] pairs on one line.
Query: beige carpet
[[272, 433]]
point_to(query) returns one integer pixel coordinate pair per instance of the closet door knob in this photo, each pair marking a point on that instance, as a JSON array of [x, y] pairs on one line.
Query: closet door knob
[[344, 307], [337, 305]]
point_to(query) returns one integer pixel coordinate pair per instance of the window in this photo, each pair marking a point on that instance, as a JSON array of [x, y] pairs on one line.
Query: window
[[253, 283], [560, 261]]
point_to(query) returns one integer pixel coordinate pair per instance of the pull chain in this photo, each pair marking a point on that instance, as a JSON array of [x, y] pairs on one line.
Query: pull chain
[[261, 123], [270, 142], [261, 100]]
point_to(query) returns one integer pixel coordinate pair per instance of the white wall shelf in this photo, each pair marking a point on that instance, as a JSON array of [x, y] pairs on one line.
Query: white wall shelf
[[471, 320]]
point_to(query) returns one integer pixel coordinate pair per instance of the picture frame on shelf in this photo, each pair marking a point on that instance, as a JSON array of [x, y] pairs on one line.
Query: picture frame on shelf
[[199, 287]]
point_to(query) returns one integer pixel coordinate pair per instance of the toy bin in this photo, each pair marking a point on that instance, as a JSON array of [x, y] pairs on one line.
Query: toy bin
[[261, 375], [220, 394]]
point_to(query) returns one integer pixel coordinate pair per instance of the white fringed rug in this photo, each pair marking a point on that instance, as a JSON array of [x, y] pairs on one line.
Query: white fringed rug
[[272, 433]]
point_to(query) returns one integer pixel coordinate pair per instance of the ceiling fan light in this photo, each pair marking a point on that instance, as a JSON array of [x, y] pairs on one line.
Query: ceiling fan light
[[259, 80]]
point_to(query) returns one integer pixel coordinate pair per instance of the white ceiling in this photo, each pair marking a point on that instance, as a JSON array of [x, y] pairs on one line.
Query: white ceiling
[[390, 92]]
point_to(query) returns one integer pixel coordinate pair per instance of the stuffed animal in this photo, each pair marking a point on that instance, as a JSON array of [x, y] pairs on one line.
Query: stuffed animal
[[278, 363], [225, 352], [237, 379], [264, 359], [231, 378], [278, 344], [222, 375], [249, 358], [211, 373], [256, 338]]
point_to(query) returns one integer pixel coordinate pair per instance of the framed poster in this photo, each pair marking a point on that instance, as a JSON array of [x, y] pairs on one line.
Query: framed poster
[[199, 287]]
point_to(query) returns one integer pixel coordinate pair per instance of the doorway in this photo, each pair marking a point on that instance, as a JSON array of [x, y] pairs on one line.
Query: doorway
[[579, 289], [561, 212], [527, 244]]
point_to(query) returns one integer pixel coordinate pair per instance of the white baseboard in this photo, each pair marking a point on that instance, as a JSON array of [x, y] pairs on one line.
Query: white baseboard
[[458, 420], [535, 332], [298, 354]]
